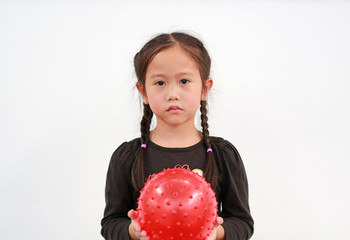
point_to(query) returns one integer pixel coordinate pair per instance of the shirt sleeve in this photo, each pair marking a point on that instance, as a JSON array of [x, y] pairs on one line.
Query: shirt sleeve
[[118, 195], [238, 222]]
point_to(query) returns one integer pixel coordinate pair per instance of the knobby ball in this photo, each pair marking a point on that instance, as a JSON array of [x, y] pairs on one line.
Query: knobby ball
[[177, 204]]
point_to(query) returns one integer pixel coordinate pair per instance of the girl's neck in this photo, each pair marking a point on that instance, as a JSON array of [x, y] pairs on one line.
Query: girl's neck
[[175, 137]]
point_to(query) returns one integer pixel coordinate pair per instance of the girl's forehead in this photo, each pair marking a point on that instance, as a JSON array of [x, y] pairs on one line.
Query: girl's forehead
[[173, 60], [173, 52]]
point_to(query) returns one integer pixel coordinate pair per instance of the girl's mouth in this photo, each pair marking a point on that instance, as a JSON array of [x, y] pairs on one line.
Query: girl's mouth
[[174, 109]]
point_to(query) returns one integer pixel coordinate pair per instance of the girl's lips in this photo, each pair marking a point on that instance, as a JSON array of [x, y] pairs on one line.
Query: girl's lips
[[174, 109]]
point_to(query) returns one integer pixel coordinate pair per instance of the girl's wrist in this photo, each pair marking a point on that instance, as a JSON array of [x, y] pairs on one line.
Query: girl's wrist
[[132, 235], [220, 233]]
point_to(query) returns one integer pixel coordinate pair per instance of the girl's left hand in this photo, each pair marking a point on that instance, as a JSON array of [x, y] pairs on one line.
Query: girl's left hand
[[218, 231], [134, 227]]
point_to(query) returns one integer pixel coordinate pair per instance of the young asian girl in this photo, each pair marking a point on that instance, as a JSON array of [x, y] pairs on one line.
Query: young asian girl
[[173, 72]]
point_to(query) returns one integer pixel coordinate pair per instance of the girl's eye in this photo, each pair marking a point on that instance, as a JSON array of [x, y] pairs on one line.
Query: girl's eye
[[184, 81], [160, 83]]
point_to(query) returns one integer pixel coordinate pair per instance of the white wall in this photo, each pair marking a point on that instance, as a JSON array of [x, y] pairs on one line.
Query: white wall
[[281, 95]]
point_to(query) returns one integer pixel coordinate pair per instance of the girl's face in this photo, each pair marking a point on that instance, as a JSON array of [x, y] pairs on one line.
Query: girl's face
[[173, 87]]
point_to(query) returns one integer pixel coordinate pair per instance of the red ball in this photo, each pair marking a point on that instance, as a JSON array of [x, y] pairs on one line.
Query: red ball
[[177, 204]]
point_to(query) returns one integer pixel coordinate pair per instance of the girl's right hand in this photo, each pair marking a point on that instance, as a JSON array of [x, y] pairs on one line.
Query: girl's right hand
[[218, 232], [135, 232]]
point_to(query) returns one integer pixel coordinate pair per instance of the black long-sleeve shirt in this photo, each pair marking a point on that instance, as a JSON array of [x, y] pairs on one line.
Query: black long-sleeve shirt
[[231, 193]]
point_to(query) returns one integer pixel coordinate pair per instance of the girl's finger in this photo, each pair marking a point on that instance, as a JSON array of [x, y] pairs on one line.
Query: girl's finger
[[137, 227], [133, 214], [144, 235], [219, 221]]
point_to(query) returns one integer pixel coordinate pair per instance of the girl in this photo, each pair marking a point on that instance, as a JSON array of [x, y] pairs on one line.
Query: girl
[[173, 80]]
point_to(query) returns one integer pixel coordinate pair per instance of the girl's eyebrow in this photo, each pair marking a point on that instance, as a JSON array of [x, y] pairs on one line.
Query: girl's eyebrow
[[160, 75], [157, 75], [184, 73]]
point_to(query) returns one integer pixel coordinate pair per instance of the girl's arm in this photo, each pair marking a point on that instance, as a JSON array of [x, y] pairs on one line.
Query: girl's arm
[[118, 194], [238, 222]]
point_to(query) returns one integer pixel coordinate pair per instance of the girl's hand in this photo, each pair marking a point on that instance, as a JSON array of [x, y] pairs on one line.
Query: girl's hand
[[135, 232], [218, 231]]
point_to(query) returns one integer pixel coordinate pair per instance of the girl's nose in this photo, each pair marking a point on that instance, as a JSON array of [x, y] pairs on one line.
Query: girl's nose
[[173, 93]]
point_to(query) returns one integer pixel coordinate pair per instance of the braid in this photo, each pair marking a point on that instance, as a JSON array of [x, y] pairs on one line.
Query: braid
[[204, 123], [146, 123], [210, 171], [138, 168]]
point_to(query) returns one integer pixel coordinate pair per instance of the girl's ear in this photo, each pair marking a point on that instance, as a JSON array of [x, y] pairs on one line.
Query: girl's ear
[[142, 91], [208, 83]]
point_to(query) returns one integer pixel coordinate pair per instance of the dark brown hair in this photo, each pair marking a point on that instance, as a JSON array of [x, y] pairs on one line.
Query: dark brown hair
[[142, 59]]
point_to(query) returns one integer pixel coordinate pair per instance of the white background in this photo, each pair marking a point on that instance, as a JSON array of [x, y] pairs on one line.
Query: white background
[[67, 100]]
